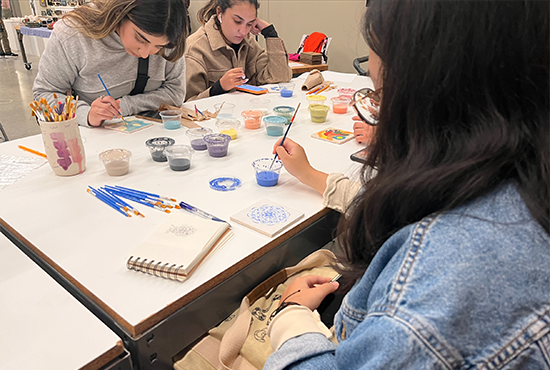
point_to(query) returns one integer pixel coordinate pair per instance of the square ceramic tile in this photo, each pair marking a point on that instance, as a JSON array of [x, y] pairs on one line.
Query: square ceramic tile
[[267, 217]]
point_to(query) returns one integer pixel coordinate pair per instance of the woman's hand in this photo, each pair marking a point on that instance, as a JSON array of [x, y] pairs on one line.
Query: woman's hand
[[312, 290], [233, 78], [363, 131], [295, 160], [102, 109], [258, 25]]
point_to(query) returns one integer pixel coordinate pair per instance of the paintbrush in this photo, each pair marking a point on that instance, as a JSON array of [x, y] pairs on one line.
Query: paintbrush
[[284, 137], [108, 93]]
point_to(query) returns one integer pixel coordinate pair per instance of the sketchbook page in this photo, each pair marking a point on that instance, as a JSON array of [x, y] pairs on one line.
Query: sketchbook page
[[183, 239], [267, 217], [13, 168], [134, 124]]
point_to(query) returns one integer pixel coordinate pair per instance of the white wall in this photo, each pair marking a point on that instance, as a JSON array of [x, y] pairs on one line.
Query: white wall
[[339, 19]]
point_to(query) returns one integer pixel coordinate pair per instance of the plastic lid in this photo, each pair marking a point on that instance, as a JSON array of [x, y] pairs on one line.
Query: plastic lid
[[225, 183]]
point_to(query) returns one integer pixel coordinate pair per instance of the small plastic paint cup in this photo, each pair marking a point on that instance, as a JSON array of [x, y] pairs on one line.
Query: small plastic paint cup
[[266, 176], [318, 112], [286, 89], [171, 119], [274, 125], [228, 126], [284, 111], [346, 92], [179, 157], [196, 136], [217, 144], [226, 110], [316, 99], [252, 119], [261, 104], [340, 105], [116, 161], [157, 145]]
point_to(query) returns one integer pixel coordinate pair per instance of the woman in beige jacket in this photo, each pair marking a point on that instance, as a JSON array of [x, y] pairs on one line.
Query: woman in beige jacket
[[222, 54]]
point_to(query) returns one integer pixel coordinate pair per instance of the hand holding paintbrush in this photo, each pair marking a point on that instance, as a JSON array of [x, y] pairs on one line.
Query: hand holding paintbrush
[[104, 108], [284, 137]]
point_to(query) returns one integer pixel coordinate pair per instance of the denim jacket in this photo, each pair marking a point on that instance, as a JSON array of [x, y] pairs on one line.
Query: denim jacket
[[465, 289]]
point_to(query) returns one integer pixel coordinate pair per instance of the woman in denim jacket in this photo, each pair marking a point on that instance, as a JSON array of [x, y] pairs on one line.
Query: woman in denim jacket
[[449, 243]]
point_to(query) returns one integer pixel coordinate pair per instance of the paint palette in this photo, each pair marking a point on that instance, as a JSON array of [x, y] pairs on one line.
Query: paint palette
[[267, 217]]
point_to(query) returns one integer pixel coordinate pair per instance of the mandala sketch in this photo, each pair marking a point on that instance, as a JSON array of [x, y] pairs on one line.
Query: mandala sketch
[[183, 230], [268, 215]]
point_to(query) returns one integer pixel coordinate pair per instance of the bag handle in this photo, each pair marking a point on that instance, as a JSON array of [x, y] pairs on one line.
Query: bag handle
[[234, 338]]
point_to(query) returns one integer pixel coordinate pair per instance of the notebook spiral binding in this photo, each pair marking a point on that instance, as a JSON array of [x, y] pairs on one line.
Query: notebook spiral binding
[[151, 267]]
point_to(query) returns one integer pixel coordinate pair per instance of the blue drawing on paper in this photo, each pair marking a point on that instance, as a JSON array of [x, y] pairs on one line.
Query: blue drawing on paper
[[183, 230], [268, 215]]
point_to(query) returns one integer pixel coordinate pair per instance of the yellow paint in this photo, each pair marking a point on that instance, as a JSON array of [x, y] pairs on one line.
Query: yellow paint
[[231, 132]]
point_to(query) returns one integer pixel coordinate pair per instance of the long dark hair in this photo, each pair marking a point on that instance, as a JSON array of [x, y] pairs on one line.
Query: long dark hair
[[465, 108], [207, 11], [156, 17]]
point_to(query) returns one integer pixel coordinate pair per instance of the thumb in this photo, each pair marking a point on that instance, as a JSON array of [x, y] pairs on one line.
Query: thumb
[[328, 287]]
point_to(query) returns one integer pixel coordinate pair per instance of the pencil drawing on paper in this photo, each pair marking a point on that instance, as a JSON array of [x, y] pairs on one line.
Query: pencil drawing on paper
[[183, 230], [268, 214]]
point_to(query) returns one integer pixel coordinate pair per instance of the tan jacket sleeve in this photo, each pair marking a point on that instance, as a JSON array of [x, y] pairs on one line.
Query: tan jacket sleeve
[[340, 192], [197, 78], [271, 65]]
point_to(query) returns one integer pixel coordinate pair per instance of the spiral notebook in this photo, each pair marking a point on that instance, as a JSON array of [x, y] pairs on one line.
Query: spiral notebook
[[179, 246]]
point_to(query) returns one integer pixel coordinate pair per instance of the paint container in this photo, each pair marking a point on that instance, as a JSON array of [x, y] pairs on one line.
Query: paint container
[[318, 112], [116, 161], [179, 157], [340, 105], [286, 89], [316, 99], [157, 145], [284, 111], [252, 119], [346, 93], [274, 125], [217, 144], [196, 136], [228, 126], [226, 110], [266, 176], [171, 119], [261, 104]]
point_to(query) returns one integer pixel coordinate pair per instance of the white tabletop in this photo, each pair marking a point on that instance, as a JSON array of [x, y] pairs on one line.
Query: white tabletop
[[91, 242], [42, 325]]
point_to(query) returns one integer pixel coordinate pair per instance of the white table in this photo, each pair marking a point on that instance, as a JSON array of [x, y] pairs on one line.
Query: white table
[[44, 327], [87, 243]]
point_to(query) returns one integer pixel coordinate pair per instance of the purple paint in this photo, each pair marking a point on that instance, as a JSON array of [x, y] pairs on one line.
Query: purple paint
[[267, 178], [217, 150], [198, 144]]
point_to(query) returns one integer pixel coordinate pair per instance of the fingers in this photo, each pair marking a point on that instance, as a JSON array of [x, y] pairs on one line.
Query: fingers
[[103, 108], [309, 291], [233, 78]]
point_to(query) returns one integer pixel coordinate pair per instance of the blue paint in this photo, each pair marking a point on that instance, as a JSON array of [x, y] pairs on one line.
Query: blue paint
[[268, 215], [274, 130], [267, 178], [225, 183], [172, 125], [286, 93]]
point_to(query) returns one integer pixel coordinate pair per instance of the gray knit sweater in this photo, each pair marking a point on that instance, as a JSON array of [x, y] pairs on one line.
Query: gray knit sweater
[[72, 60]]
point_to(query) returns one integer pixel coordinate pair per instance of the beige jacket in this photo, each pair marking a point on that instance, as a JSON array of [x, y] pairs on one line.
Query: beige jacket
[[208, 58]]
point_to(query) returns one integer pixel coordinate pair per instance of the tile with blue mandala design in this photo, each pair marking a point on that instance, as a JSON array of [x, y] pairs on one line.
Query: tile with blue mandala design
[[267, 217]]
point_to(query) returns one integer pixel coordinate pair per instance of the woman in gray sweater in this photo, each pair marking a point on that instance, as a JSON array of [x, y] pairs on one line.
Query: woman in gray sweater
[[112, 38]]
